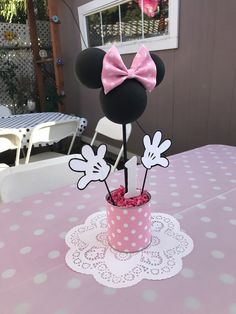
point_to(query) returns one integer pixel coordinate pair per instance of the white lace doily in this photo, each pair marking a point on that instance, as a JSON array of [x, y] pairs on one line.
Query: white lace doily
[[90, 252]]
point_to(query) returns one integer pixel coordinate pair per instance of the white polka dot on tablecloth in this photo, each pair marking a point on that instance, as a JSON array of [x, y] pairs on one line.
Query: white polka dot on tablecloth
[[73, 219], [40, 278], [87, 196], [5, 210], [227, 208], [37, 201], [232, 181], [152, 183], [227, 279], [149, 295], [216, 188], [8, 273], [232, 222], [192, 303], [211, 235], [2, 244], [173, 185], [172, 178], [38, 232], [187, 273], [14, 227], [176, 204], [66, 194], [25, 250], [27, 213], [197, 195], [174, 194], [53, 254], [80, 207], [202, 206], [187, 166], [205, 219], [73, 283], [217, 254], [191, 179], [232, 308], [109, 291], [22, 308], [49, 216], [221, 197], [58, 204], [189, 171], [194, 186], [178, 216], [153, 176]]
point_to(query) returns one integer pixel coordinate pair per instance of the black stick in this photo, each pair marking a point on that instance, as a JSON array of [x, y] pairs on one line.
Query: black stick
[[109, 193], [144, 180], [125, 156]]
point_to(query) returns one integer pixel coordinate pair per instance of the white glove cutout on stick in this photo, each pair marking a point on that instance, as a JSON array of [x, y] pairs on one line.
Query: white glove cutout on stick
[[152, 154], [95, 168]]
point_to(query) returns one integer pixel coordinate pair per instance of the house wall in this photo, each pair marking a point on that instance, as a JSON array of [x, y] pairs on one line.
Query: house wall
[[195, 104]]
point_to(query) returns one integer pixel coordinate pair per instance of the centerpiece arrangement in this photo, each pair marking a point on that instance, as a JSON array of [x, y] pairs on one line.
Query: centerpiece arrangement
[[123, 98], [127, 242]]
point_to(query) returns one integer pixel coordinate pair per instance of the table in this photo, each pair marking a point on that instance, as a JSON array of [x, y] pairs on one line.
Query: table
[[24, 123], [198, 188]]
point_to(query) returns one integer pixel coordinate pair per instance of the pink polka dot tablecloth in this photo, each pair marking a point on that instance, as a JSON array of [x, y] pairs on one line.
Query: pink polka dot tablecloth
[[198, 189]]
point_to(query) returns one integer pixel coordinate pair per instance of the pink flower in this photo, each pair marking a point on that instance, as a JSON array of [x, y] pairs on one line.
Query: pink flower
[[148, 6]]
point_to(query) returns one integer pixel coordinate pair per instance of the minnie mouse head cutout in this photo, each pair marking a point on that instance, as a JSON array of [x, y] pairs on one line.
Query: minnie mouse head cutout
[[123, 100], [123, 91]]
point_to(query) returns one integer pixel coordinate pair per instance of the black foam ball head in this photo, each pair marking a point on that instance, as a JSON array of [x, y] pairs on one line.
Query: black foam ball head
[[125, 103], [160, 68], [88, 67]]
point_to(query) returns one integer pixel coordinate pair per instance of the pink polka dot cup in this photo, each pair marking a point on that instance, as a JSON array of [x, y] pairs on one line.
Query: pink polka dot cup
[[129, 229]]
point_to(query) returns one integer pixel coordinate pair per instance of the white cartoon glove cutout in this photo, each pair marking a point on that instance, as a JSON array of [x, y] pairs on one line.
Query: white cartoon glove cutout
[[152, 153], [94, 166]]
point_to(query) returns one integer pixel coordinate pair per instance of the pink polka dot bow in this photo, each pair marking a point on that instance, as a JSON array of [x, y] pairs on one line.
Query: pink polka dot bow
[[114, 71]]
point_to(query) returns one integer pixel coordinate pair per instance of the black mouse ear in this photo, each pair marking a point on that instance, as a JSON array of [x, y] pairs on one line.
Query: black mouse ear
[[88, 67], [160, 68]]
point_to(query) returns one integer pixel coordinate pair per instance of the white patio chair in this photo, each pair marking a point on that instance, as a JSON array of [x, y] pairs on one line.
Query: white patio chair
[[113, 131], [4, 111], [36, 177], [50, 132], [10, 139]]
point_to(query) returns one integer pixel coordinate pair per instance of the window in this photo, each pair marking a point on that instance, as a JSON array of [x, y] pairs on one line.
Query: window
[[128, 24]]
